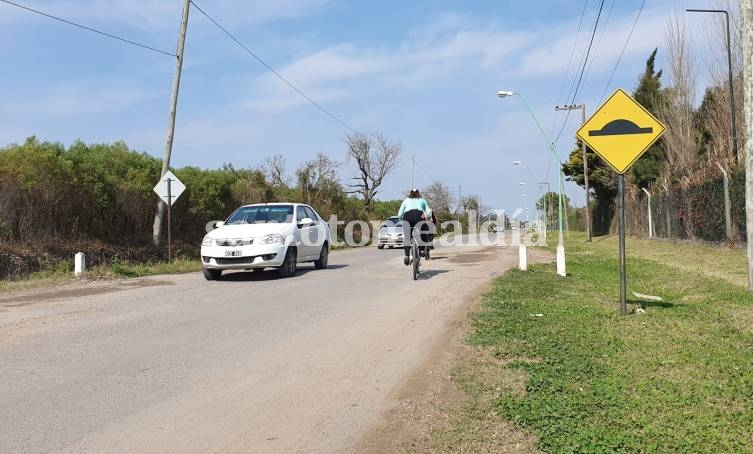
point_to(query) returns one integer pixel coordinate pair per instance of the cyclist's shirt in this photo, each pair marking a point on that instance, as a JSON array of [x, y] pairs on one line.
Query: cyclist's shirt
[[413, 204]]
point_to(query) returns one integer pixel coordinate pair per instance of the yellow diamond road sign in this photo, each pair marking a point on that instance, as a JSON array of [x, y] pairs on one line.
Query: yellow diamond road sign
[[621, 131]]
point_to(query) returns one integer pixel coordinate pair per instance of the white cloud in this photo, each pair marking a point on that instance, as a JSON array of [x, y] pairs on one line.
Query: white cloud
[[72, 100], [163, 14]]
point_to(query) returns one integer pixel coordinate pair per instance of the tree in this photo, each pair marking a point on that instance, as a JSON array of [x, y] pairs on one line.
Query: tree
[[602, 181], [649, 94], [440, 198], [376, 157], [317, 180], [274, 170]]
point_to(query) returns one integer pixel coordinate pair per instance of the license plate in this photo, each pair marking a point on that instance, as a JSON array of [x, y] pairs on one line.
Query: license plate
[[233, 253]]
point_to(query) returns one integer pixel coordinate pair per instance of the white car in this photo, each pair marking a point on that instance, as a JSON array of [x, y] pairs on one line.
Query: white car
[[273, 235]]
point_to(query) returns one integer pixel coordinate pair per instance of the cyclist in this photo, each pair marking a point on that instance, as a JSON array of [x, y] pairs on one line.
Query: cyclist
[[413, 210]]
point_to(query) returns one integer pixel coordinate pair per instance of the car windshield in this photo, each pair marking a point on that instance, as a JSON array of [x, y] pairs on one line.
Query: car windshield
[[262, 214], [392, 222]]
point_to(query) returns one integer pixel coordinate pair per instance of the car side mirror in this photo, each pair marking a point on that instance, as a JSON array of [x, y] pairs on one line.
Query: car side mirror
[[306, 222], [219, 224]]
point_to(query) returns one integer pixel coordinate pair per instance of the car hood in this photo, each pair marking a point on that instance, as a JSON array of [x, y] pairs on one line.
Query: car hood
[[391, 230], [248, 230]]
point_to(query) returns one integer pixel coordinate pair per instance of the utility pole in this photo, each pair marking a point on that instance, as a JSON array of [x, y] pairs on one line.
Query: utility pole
[[746, 11], [459, 202], [582, 108], [157, 230]]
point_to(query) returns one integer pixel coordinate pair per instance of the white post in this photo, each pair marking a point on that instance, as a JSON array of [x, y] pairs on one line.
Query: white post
[[522, 257], [650, 221], [561, 258], [80, 264]]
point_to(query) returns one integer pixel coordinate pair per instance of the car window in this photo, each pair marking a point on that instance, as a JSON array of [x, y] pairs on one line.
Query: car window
[[300, 213], [311, 213], [262, 214]]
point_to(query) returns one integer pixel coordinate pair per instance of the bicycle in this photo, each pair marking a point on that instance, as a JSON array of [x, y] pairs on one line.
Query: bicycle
[[415, 254]]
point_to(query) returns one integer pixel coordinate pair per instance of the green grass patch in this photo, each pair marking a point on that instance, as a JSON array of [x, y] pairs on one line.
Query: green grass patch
[[115, 269], [677, 379]]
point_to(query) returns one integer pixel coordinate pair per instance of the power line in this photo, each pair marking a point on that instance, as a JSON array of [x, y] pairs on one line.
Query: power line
[[570, 61], [583, 69], [601, 36], [144, 46], [279, 76], [637, 16]]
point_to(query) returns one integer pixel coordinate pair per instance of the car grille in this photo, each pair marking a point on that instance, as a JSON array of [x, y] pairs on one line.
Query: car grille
[[233, 242], [242, 260]]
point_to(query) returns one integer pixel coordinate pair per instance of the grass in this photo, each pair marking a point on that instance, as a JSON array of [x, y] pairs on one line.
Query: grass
[[677, 379], [115, 269]]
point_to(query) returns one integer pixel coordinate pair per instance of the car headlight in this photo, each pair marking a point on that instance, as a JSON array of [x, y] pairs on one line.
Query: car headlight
[[207, 242], [273, 238]]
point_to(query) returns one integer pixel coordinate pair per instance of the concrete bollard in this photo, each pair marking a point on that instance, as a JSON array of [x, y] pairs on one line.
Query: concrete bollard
[[522, 257], [561, 260], [80, 264]]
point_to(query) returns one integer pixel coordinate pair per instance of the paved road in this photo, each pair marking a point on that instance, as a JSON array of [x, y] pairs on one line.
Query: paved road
[[248, 364]]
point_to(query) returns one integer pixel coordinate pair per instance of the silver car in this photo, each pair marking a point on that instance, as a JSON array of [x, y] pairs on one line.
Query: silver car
[[391, 233]]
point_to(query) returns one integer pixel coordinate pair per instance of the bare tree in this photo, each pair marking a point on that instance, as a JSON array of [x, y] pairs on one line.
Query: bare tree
[[317, 179], [274, 169], [376, 157], [439, 196], [679, 139], [716, 109]]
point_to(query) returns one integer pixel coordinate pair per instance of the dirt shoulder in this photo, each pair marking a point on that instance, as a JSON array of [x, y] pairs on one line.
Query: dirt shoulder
[[433, 410]]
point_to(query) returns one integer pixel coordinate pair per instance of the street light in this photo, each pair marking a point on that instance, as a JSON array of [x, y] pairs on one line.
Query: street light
[[517, 163], [560, 240], [729, 70]]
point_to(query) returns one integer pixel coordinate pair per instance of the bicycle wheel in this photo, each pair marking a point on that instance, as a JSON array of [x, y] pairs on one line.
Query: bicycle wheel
[[416, 260]]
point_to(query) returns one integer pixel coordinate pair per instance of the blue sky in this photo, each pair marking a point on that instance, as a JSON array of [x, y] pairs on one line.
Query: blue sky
[[421, 72]]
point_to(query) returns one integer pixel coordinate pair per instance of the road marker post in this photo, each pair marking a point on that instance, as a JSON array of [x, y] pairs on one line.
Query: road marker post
[[620, 131]]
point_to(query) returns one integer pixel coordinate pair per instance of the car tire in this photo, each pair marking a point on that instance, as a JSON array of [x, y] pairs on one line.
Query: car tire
[[381, 246], [289, 264], [212, 275], [323, 258]]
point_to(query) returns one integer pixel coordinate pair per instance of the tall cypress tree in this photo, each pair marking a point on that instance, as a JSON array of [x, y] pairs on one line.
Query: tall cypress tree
[[649, 94]]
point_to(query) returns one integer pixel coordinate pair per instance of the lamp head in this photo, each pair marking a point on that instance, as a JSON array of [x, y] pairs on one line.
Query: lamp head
[[505, 93]]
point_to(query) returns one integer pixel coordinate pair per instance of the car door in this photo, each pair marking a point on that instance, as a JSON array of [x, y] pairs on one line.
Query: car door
[[318, 234], [306, 234]]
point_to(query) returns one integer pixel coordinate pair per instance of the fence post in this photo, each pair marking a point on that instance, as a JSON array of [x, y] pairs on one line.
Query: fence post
[[650, 221], [727, 208]]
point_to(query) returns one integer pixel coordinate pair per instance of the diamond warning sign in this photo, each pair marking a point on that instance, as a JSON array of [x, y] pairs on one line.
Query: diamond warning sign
[[620, 131]]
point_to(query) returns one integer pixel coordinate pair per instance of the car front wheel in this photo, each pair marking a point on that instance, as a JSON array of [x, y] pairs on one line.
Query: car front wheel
[[212, 275]]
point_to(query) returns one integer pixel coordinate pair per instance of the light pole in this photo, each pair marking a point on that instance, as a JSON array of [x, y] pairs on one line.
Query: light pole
[[729, 71], [561, 269], [582, 107], [517, 163], [650, 221]]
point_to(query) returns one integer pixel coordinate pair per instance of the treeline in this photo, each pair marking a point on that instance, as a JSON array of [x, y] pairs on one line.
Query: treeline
[[98, 198]]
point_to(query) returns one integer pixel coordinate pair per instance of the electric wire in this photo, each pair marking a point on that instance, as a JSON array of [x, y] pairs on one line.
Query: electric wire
[[583, 69], [601, 36], [627, 41], [50, 16], [569, 63], [272, 70]]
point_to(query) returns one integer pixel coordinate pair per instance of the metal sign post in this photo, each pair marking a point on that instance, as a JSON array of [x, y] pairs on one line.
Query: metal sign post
[[169, 221], [623, 271]]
